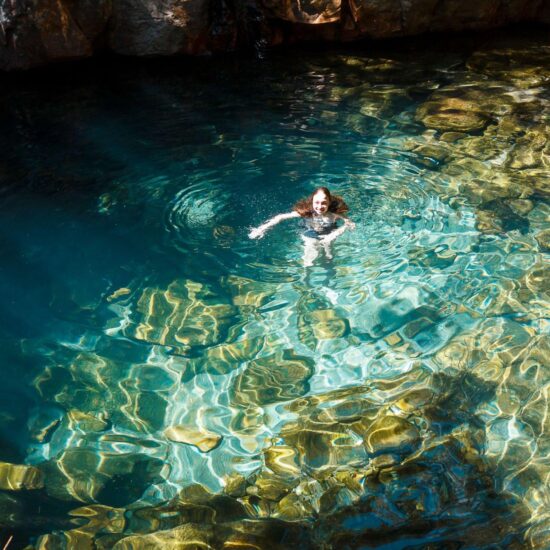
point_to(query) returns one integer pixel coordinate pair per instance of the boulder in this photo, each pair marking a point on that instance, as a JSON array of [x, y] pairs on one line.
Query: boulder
[[49, 30], [164, 27]]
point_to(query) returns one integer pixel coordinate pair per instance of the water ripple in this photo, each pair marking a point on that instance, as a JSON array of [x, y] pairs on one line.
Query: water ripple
[[215, 380]]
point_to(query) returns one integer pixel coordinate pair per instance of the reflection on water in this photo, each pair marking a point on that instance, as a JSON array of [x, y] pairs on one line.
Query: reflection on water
[[168, 381]]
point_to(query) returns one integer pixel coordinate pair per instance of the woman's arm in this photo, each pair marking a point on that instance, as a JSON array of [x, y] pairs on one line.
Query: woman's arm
[[259, 232], [333, 234], [348, 224]]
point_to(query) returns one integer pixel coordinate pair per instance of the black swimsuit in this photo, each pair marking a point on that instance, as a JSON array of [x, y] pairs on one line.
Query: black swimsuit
[[318, 226]]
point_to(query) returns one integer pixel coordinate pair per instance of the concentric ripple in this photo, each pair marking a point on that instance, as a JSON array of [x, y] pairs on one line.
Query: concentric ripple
[[195, 213]]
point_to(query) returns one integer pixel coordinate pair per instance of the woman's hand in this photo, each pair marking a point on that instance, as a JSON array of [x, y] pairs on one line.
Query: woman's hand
[[349, 224], [257, 233]]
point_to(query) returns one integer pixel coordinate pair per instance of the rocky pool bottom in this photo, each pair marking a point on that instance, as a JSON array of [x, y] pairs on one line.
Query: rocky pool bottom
[[171, 384]]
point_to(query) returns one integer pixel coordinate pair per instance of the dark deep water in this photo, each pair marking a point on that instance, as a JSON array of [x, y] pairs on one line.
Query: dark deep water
[[168, 381]]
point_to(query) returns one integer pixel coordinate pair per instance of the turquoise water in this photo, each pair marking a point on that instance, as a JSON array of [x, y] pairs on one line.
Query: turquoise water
[[163, 370]]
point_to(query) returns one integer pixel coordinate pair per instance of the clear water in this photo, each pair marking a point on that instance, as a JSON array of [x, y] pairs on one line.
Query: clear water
[[133, 301]]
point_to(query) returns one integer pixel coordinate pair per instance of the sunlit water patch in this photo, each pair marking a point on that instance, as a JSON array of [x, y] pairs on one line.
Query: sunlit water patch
[[171, 380]]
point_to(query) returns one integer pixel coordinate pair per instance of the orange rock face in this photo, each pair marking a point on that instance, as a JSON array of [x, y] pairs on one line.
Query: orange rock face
[[312, 12], [42, 31], [49, 30]]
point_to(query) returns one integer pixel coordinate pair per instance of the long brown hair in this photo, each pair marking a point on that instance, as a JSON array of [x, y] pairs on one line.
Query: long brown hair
[[336, 204]]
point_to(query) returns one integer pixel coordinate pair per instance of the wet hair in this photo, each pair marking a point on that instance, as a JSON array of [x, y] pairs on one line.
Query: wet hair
[[336, 204]]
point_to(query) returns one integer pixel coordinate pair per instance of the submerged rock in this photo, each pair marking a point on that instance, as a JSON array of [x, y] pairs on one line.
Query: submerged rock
[[269, 534], [201, 438], [225, 358], [283, 461], [271, 487], [235, 485], [452, 137], [321, 324], [335, 498], [247, 292], [522, 68], [346, 410], [452, 114], [15, 477], [293, 507], [414, 399], [324, 447], [99, 527], [482, 184], [257, 507], [537, 279], [390, 434], [378, 102], [185, 315], [521, 207], [101, 517], [543, 238], [328, 324], [278, 377], [43, 424], [88, 475], [119, 293], [87, 422], [73, 538], [186, 536], [430, 156]]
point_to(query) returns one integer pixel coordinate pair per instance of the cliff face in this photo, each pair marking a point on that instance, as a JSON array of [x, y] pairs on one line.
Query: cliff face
[[35, 32]]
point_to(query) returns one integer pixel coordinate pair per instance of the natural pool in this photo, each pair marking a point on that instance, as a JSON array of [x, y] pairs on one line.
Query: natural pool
[[169, 383]]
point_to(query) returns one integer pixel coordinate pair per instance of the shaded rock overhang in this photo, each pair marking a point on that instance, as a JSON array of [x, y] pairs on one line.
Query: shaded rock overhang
[[38, 32]]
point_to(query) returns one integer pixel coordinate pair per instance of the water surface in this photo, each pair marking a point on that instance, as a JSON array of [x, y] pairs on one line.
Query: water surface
[[168, 379]]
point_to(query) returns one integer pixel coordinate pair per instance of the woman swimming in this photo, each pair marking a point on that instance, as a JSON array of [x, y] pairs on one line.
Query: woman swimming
[[321, 212]]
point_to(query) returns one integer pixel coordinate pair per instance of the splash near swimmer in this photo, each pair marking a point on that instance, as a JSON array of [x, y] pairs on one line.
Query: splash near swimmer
[[321, 212]]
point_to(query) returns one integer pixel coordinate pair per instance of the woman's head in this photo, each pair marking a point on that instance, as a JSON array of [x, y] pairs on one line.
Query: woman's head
[[319, 202]]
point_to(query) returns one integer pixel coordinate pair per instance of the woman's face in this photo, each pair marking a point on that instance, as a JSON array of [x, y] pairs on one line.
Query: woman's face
[[320, 203]]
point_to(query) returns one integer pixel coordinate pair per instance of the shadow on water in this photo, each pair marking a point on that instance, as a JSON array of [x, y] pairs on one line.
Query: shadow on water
[[509, 219], [26, 516]]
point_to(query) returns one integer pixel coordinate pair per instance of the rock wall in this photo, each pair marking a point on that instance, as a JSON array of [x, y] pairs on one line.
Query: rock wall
[[36, 32]]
